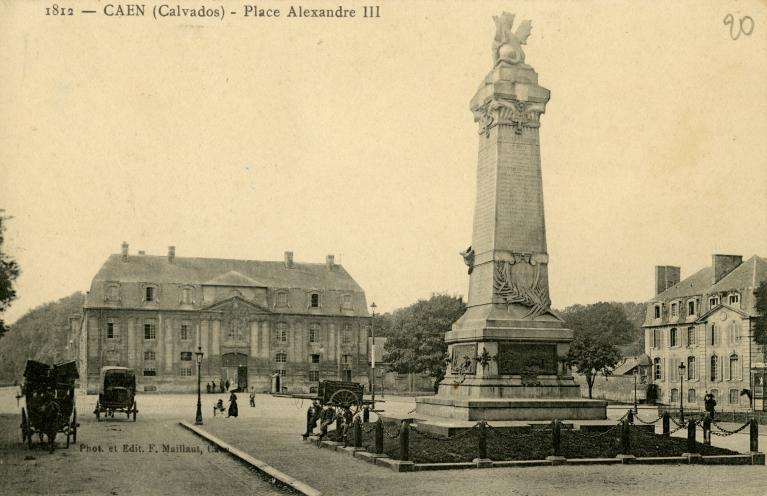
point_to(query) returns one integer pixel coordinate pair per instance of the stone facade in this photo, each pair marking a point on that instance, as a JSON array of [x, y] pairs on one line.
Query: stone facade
[[272, 325], [704, 322]]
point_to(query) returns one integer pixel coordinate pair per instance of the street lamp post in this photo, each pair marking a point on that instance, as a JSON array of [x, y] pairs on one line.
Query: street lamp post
[[681, 390], [373, 306], [636, 375], [198, 416]]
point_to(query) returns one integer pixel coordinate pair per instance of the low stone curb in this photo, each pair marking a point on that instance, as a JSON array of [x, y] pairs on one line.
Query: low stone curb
[[753, 458], [253, 462]]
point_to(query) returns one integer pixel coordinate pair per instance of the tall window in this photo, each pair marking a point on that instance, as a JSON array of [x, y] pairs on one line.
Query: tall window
[[186, 356], [691, 396], [656, 338], [734, 332], [314, 300], [657, 367], [314, 333], [674, 395], [110, 330], [734, 396], [675, 309], [657, 311], [691, 336], [314, 376], [315, 358], [691, 307], [282, 332], [149, 356], [734, 368], [150, 331], [346, 335], [673, 341], [714, 368], [281, 357], [715, 393], [690, 368], [150, 293], [185, 334], [714, 338], [346, 359]]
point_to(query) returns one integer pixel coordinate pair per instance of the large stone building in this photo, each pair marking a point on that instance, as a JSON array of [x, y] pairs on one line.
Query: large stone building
[[705, 322], [272, 325]]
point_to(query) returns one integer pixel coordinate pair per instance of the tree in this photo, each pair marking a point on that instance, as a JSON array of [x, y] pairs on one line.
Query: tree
[[603, 321], [9, 271], [760, 324], [416, 343], [591, 357]]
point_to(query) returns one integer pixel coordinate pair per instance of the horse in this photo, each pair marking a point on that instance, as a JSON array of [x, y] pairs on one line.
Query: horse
[[50, 417]]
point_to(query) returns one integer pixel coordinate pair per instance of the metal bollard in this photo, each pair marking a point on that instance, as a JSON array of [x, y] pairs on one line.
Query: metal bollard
[[482, 440], [357, 433], [339, 426], [404, 440], [366, 415], [556, 438], [379, 437], [630, 417], [625, 437], [691, 446], [666, 424], [309, 417], [707, 430], [754, 435]]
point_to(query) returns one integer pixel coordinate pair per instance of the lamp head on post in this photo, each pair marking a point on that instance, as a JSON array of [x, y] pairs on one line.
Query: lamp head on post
[[199, 355], [681, 368]]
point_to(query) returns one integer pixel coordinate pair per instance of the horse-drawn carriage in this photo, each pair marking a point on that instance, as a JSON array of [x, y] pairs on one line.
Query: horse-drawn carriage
[[49, 398], [341, 395], [117, 392]]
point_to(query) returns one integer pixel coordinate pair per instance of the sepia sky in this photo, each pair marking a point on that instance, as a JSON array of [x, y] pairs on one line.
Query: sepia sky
[[243, 138]]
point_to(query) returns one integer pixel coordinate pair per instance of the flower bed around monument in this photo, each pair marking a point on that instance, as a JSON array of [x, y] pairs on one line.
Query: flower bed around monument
[[525, 444]]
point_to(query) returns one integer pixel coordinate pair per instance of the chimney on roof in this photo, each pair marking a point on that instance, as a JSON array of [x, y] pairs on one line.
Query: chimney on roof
[[125, 251], [665, 277], [723, 265], [171, 253], [289, 259], [330, 262]]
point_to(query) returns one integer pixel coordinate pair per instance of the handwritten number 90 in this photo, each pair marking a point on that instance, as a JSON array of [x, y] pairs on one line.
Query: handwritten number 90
[[745, 26]]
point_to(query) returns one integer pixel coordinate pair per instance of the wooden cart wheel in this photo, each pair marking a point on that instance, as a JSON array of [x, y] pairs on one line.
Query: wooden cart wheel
[[135, 410], [345, 399], [74, 426]]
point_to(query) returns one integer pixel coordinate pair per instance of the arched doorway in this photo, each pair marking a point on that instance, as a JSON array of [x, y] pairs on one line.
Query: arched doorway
[[234, 368]]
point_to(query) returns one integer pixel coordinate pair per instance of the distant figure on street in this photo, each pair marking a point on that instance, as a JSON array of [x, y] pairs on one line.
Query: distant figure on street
[[710, 404], [219, 407], [227, 384], [213, 387], [232, 406], [207, 388], [252, 397], [221, 386]]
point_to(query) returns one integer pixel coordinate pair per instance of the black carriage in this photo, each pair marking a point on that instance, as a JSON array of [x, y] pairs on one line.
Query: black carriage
[[117, 393], [49, 402]]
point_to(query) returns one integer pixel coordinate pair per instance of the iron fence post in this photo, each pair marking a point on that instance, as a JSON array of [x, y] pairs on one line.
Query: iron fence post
[[379, 437], [754, 435], [666, 424], [357, 433], [556, 438], [404, 440], [482, 440], [691, 447]]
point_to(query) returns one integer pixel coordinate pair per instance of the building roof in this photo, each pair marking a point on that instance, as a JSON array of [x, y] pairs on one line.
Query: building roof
[[746, 275], [630, 363], [227, 272]]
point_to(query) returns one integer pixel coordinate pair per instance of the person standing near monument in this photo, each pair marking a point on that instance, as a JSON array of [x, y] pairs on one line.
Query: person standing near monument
[[252, 397], [710, 404], [232, 406]]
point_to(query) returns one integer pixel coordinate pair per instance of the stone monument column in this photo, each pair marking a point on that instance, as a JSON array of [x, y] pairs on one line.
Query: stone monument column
[[507, 351]]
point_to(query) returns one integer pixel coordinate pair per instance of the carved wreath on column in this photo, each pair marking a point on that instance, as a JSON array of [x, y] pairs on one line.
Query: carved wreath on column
[[515, 288]]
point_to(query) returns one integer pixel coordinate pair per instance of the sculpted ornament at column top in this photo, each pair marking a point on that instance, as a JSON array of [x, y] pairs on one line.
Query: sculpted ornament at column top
[[507, 46]]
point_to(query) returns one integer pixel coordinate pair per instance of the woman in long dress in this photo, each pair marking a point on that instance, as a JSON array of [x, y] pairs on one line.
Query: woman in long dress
[[232, 405]]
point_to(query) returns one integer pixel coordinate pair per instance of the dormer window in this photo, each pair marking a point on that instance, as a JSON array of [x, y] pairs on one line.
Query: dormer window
[[713, 301], [675, 309], [314, 300], [112, 292], [282, 299], [346, 301], [187, 295], [691, 307], [150, 294], [657, 311], [733, 299]]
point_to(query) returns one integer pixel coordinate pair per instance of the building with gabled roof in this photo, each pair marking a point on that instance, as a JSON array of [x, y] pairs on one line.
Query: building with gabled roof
[[705, 322], [275, 326]]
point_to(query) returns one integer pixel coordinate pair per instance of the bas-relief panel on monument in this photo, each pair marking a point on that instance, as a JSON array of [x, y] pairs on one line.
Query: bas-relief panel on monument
[[463, 359], [527, 359]]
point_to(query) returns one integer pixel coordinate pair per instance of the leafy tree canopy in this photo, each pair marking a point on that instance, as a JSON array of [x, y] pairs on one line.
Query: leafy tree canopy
[[9, 271], [605, 322], [416, 342], [760, 326], [590, 357]]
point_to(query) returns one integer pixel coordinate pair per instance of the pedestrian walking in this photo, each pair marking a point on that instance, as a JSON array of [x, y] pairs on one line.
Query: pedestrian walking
[[207, 388], [709, 403], [227, 384], [252, 397], [213, 387], [232, 406]]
